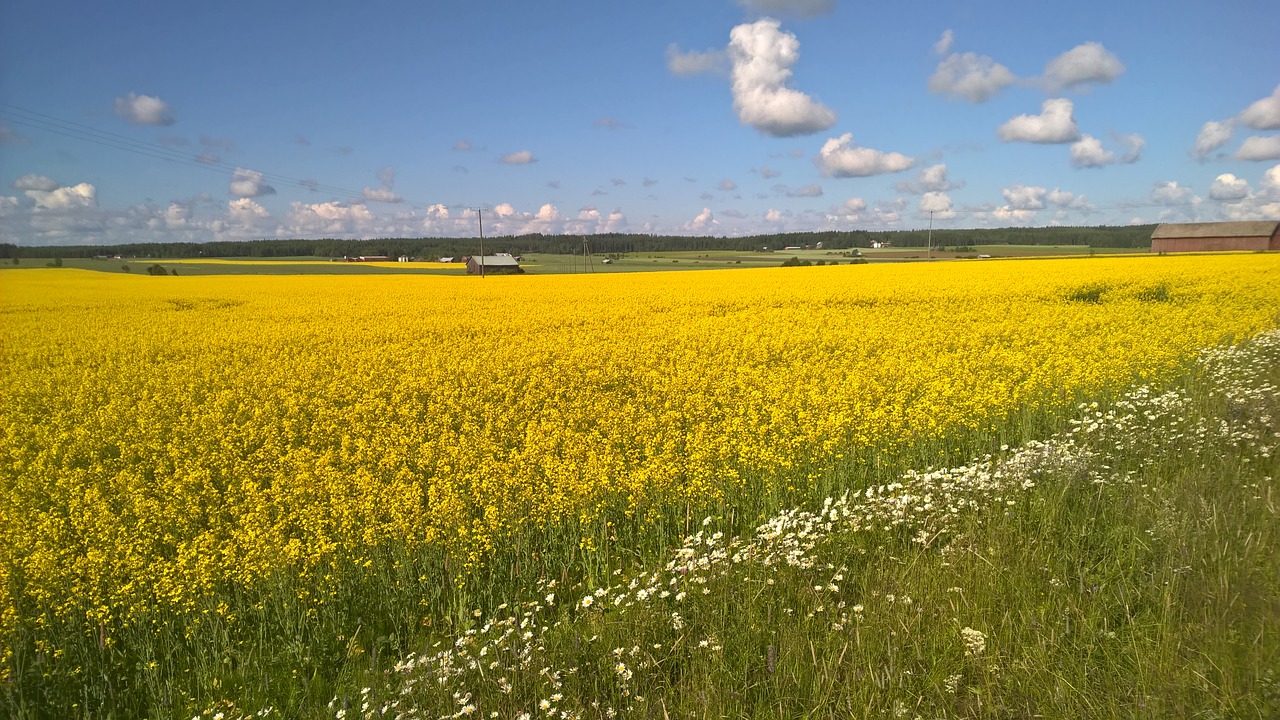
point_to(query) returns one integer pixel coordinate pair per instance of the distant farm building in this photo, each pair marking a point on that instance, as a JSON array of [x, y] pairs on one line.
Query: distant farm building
[[1209, 237], [367, 258], [490, 264]]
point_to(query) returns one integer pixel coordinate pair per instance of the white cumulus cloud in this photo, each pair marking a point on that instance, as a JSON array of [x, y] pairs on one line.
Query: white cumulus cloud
[[1088, 151], [937, 203], [82, 195], [330, 218], [839, 157], [1260, 148], [1271, 179], [144, 110], [244, 211], [178, 215], [931, 179], [1229, 187], [854, 205], [1263, 114], [547, 214], [969, 76], [1056, 123], [247, 183], [762, 56], [39, 183], [704, 221], [1025, 197], [1082, 64], [1171, 193], [1213, 135]]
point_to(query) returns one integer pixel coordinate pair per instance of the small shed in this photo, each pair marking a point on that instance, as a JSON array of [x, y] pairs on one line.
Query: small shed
[[1212, 236], [492, 264]]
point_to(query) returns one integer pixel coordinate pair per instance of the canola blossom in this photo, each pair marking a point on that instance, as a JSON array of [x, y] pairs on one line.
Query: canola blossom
[[494, 665], [167, 440]]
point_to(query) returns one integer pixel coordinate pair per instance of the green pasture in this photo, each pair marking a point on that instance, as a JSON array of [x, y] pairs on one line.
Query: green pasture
[[549, 264]]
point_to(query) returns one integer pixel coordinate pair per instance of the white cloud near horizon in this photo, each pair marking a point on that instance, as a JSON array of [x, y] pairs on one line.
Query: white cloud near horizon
[[1171, 193], [1025, 197], [1229, 187], [386, 193], [762, 56], [144, 110], [328, 218], [81, 195], [1271, 179], [242, 211], [839, 157], [1239, 202], [1022, 197], [704, 221], [938, 204], [1056, 124]]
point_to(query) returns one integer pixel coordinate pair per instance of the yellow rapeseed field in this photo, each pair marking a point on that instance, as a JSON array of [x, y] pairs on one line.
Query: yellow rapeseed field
[[164, 439]]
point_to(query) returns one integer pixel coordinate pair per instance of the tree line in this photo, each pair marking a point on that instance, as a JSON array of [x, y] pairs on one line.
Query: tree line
[[1102, 236]]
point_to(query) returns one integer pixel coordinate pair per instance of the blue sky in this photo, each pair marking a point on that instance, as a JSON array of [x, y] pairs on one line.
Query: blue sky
[[147, 121]]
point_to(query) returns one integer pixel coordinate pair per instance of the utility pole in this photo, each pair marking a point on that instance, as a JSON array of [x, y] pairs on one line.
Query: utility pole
[[928, 254], [480, 218], [586, 254]]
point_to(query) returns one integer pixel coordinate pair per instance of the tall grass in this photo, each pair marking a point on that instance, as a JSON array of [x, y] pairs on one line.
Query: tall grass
[[1126, 567]]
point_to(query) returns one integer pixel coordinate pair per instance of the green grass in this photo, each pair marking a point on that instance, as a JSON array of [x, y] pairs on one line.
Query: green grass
[[1131, 568], [542, 264]]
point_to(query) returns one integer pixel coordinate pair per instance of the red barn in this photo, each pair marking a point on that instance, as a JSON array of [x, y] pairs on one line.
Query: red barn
[[1208, 237]]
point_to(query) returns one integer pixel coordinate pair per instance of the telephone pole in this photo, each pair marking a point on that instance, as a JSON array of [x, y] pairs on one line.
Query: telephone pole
[[928, 254], [480, 219]]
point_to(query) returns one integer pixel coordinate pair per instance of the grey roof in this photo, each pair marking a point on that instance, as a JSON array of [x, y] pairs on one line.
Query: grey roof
[[1215, 229], [495, 260]]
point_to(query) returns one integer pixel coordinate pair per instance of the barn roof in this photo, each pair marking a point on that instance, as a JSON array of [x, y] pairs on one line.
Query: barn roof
[[496, 261], [1215, 229]]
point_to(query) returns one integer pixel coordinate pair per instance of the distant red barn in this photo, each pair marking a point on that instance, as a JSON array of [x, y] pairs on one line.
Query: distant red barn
[[1208, 237]]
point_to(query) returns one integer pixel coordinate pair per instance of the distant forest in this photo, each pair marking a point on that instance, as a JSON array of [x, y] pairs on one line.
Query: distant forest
[[1100, 236]]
